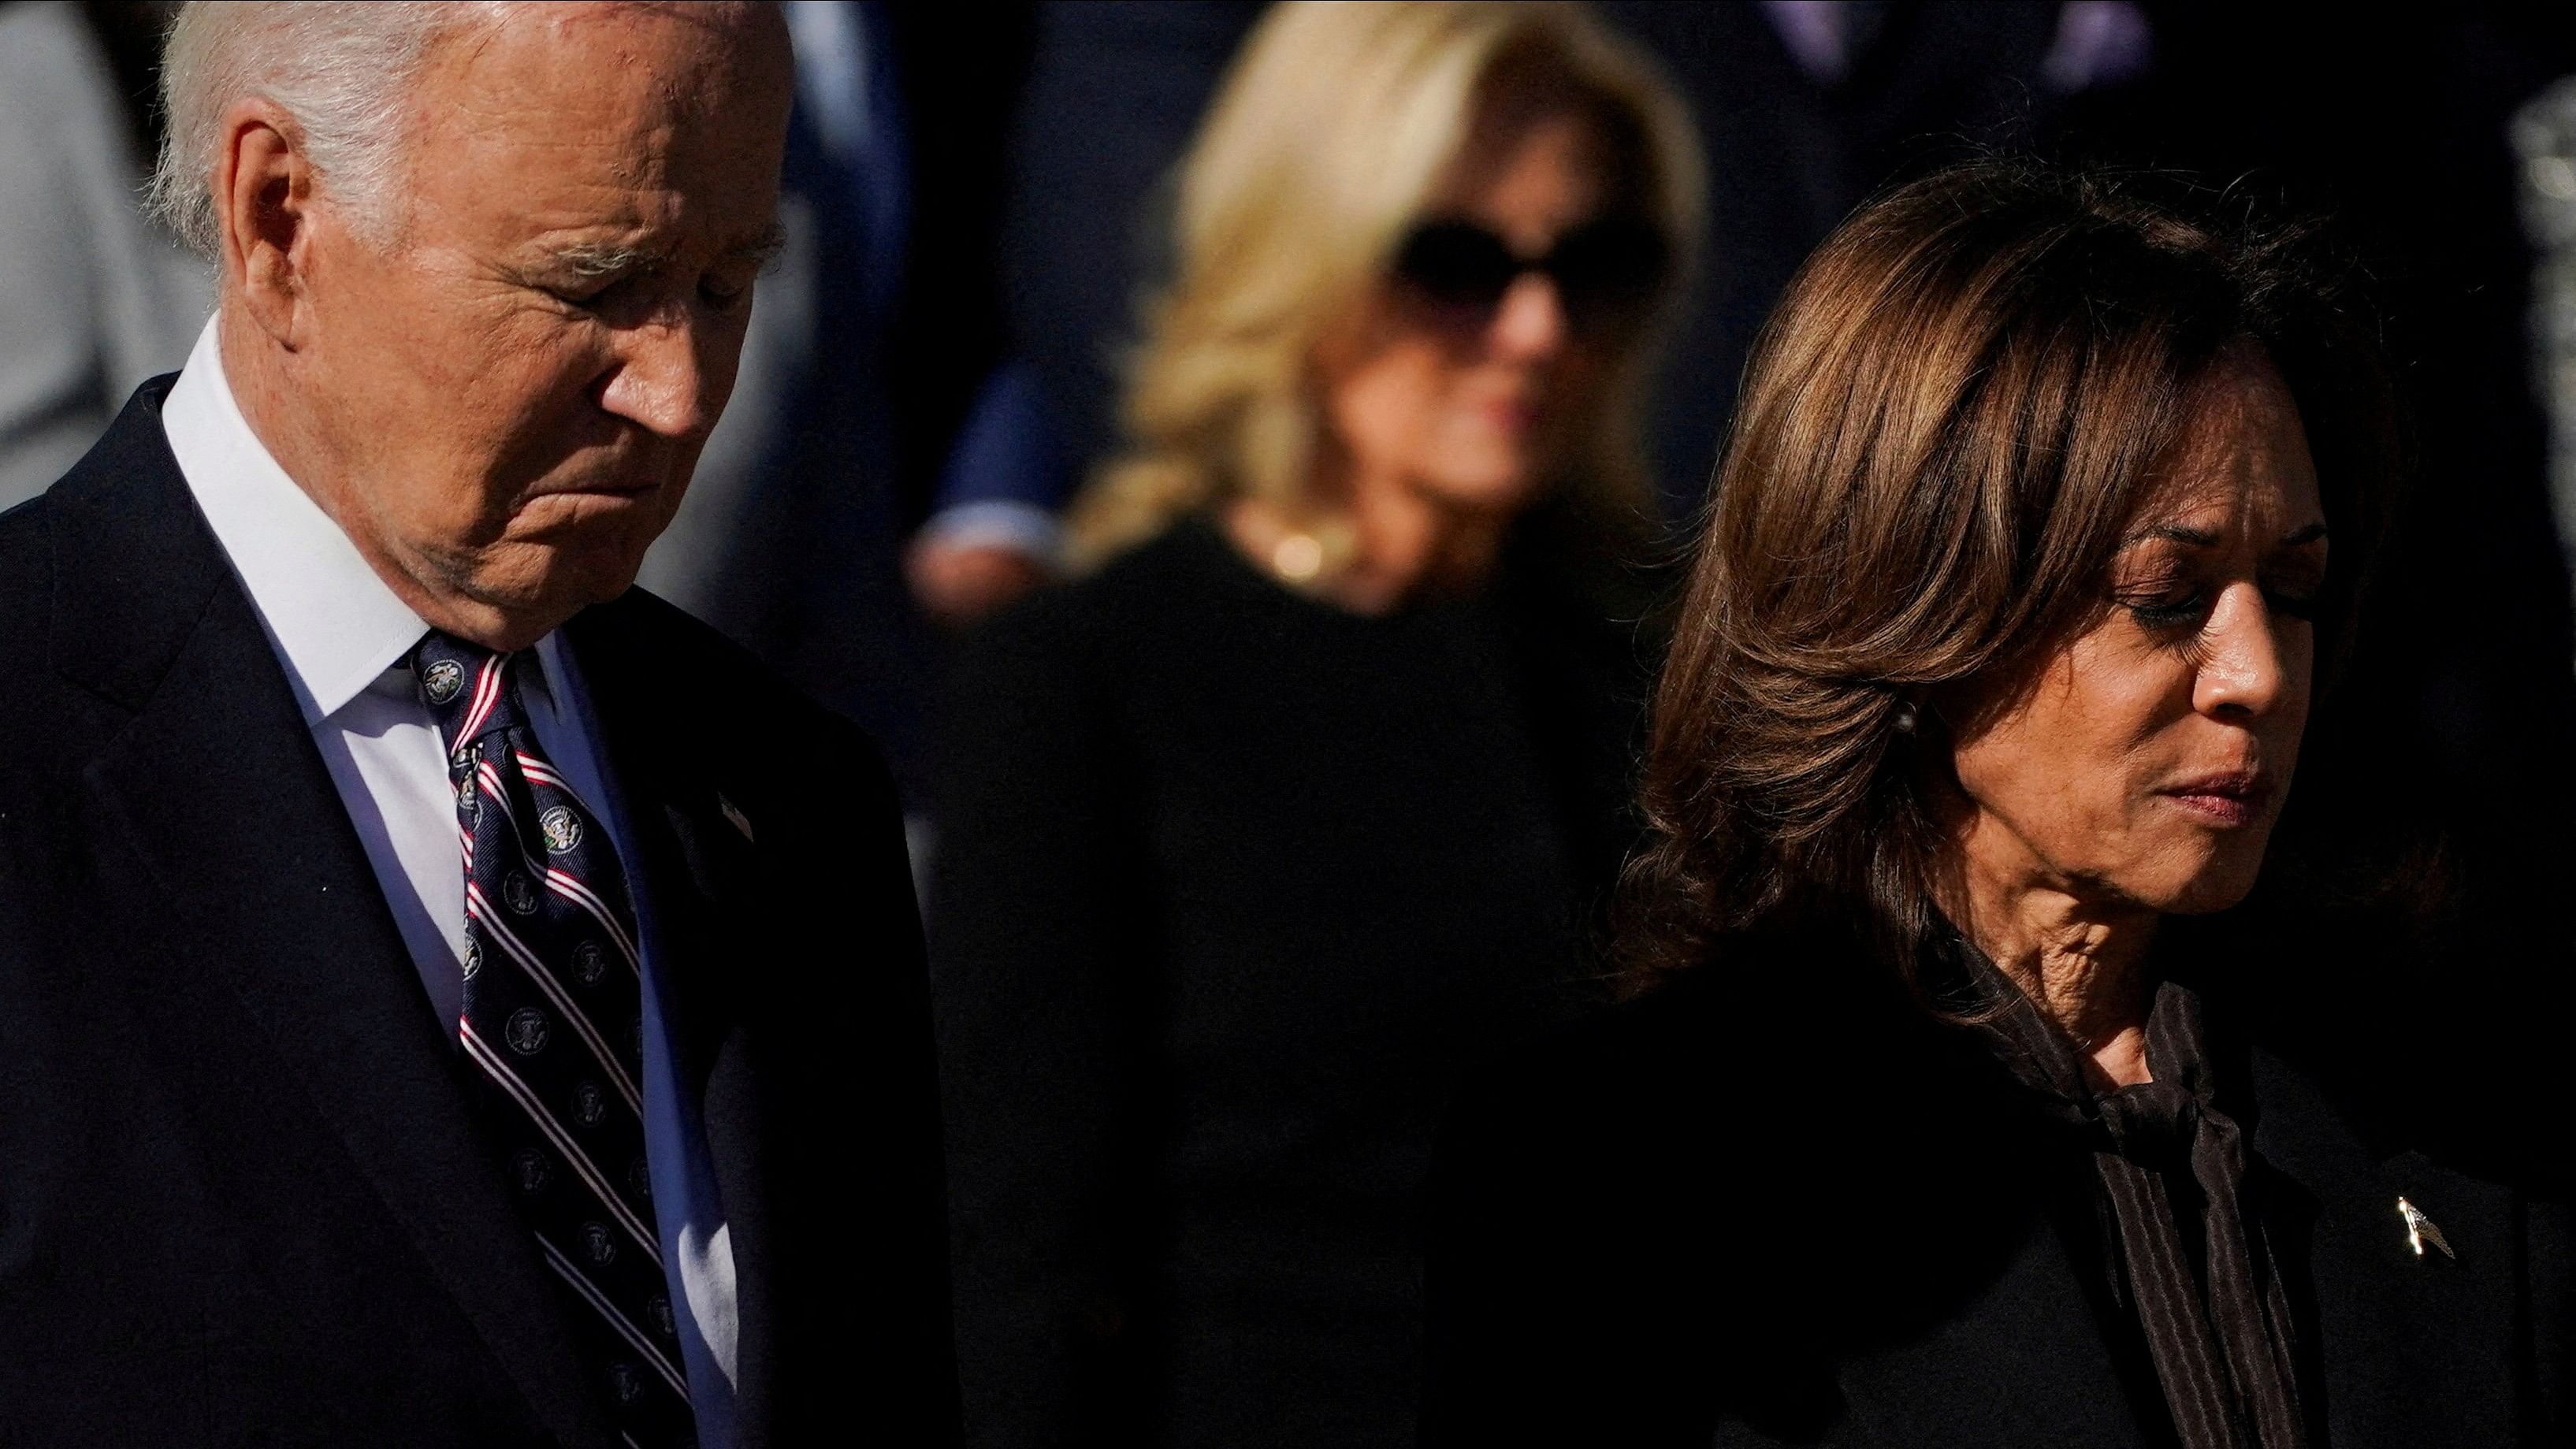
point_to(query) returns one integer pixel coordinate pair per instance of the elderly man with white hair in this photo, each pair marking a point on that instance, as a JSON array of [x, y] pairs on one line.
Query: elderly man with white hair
[[447, 996]]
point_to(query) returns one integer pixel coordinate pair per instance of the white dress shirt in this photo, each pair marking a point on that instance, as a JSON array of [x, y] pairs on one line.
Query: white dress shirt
[[345, 640]]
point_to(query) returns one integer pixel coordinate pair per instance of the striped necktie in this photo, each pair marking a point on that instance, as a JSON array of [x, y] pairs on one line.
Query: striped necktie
[[553, 1023]]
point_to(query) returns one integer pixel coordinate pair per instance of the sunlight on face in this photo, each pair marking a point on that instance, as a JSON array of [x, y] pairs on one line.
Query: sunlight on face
[[1479, 416], [2145, 761], [524, 380]]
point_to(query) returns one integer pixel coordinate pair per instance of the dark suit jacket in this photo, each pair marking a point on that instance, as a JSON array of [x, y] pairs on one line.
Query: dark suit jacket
[[1772, 1206], [240, 1201]]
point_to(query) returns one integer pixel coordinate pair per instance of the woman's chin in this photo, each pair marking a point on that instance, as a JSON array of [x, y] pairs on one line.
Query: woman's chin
[[2222, 878], [1502, 485]]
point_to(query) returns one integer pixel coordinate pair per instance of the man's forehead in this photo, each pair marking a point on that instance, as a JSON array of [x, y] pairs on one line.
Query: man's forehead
[[590, 75], [719, 24], [625, 129]]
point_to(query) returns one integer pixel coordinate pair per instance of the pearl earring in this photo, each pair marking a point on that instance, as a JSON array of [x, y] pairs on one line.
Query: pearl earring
[[1905, 719]]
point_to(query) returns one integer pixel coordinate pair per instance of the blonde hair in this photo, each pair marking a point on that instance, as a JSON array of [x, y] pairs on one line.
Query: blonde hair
[[1325, 144]]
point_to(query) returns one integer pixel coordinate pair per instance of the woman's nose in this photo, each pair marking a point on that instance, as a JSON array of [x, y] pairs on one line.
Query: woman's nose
[[1530, 323], [2247, 668]]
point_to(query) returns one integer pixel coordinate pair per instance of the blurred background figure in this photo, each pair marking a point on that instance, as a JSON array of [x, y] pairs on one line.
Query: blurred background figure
[[1807, 107], [94, 298], [2544, 141], [883, 469], [1114, 93], [1300, 799], [1804, 106]]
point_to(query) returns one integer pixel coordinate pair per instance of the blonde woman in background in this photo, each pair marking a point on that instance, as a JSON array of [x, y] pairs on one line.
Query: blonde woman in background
[[1299, 801]]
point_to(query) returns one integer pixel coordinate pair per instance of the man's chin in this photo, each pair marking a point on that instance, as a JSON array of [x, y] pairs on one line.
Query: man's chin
[[574, 512], [533, 586]]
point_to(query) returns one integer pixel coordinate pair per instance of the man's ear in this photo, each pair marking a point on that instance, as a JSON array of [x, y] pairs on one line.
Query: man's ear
[[263, 194]]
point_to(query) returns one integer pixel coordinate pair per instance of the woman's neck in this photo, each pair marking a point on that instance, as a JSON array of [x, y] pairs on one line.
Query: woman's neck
[[2083, 964], [1396, 542]]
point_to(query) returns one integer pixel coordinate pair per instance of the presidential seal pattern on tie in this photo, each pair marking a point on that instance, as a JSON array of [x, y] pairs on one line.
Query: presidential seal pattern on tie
[[441, 680], [553, 1022]]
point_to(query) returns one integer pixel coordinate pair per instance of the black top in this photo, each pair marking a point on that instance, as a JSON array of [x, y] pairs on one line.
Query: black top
[[242, 1195], [1231, 886], [1775, 1203]]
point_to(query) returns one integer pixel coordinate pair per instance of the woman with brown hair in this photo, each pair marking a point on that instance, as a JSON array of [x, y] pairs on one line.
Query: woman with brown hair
[[1947, 1114]]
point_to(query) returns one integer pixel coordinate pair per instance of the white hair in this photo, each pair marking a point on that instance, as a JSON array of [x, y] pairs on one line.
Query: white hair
[[341, 69]]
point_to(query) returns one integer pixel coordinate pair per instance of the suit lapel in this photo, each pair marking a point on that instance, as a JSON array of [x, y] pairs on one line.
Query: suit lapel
[[2410, 1350], [695, 863], [216, 785], [698, 873]]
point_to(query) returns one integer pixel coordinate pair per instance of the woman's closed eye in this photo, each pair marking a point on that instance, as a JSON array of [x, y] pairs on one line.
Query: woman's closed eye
[[2178, 606], [2166, 596], [2168, 609]]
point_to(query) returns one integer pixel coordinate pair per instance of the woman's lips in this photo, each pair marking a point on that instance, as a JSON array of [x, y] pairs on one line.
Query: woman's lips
[[2229, 801], [1510, 417]]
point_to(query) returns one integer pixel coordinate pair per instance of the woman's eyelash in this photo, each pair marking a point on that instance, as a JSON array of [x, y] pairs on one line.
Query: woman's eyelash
[[2156, 611], [2161, 613], [2163, 601]]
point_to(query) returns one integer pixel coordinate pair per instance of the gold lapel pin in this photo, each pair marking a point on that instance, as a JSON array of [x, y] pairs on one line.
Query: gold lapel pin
[[2421, 1230], [742, 823]]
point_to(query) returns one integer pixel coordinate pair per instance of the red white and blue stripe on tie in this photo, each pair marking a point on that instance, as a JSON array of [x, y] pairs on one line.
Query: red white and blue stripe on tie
[[552, 1020]]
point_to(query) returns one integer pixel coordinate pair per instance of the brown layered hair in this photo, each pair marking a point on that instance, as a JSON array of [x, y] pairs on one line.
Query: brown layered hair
[[1947, 427]]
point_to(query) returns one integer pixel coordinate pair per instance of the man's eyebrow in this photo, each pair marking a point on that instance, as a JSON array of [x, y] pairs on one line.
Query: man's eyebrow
[[592, 260]]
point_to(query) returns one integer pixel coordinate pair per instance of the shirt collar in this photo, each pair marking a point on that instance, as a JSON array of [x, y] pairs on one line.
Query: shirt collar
[[336, 626]]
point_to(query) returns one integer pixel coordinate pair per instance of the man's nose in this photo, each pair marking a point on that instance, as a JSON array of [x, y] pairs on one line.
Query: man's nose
[[2247, 668], [1530, 323], [666, 381]]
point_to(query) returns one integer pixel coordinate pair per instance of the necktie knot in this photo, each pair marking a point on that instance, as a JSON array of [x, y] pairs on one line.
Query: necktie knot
[[471, 691]]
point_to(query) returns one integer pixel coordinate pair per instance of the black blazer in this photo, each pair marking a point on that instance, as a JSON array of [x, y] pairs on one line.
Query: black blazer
[[240, 1200], [1762, 1208]]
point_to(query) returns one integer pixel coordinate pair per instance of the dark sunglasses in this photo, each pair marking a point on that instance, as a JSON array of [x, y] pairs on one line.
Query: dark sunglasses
[[1605, 271]]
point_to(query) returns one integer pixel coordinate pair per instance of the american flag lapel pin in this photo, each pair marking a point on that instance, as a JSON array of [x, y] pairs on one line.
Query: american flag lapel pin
[[742, 823], [2421, 1230]]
